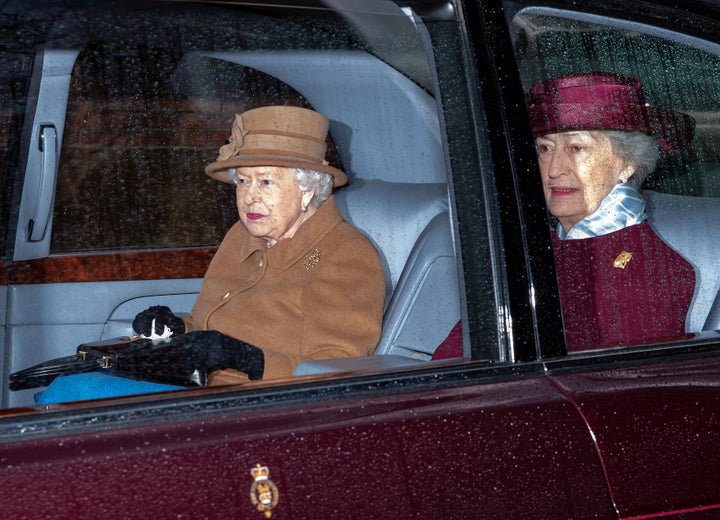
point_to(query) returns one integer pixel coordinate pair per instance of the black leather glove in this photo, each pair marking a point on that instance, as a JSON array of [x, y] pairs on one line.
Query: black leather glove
[[163, 317], [206, 351]]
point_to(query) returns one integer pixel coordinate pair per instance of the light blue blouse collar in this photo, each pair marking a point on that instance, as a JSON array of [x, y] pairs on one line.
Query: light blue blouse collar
[[622, 207]]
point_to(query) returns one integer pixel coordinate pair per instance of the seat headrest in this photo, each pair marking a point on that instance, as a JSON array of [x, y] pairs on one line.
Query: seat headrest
[[392, 215]]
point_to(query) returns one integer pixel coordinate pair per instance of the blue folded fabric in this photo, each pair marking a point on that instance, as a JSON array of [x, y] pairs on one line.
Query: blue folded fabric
[[96, 385]]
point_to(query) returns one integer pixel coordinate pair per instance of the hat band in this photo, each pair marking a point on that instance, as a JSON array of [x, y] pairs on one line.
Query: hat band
[[622, 95], [285, 145], [259, 154], [586, 116]]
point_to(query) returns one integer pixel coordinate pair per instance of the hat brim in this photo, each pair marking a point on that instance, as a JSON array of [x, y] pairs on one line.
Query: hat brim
[[673, 130], [218, 169]]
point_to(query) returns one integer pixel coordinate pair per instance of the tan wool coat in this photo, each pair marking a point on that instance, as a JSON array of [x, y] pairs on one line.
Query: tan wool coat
[[316, 295]]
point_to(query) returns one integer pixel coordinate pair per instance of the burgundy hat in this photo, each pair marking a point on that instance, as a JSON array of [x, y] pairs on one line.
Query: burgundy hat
[[285, 136], [604, 101]]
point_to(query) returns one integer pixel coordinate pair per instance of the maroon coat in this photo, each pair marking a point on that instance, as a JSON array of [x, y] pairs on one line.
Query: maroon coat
[[609, 302]]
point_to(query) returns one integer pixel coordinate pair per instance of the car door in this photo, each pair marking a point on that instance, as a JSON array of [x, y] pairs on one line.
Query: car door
[[76, 276], [651, 408], [648, 418], [423, 97], [500, 447], [483, 433]]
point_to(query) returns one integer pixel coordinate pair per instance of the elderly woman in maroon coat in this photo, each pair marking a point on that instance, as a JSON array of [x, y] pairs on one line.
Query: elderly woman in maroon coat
[[597, 140]]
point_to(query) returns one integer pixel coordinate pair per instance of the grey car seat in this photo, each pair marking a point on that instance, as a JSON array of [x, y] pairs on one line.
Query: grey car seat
[[410, 226], [689, 225], [425, 304]]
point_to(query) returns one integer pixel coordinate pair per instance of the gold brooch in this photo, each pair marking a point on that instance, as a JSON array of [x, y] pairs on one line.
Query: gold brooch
[[264, 495], [312, 258], [622, 260]]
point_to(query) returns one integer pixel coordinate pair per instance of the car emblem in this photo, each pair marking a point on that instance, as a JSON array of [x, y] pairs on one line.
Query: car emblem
[[264, 494], [622, 260]]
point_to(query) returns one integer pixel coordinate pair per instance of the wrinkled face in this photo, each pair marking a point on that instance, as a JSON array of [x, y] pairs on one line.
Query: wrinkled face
[[579, 169], [270, 202]]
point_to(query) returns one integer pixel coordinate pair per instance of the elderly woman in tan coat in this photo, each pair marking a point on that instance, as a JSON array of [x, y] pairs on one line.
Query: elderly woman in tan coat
[[292, 281]]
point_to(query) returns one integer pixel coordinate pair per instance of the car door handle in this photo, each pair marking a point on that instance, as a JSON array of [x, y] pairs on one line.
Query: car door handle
[[43, 205]]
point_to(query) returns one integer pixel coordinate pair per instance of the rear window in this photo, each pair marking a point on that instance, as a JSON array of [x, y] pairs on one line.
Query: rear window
[[145, 117], [677, 71], [147, 98], [15, 70], [640, 268]]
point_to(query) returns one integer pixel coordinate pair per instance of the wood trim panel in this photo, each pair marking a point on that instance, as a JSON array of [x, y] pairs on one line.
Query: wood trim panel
[[103, 267], [3, 273]]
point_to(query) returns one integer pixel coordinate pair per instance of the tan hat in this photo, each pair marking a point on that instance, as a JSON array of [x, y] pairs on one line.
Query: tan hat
[[289, 137]]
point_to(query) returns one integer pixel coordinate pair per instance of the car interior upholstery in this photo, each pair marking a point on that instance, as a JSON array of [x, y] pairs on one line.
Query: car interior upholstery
[[421, 267], [682, 222]]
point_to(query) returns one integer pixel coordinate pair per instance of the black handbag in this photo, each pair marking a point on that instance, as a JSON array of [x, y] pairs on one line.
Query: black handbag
[[175, 361], [184, 360], [44, 373]]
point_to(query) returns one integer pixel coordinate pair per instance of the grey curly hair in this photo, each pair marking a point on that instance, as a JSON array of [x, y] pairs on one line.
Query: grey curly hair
[[637, 148], [318, 182], [321, 184]]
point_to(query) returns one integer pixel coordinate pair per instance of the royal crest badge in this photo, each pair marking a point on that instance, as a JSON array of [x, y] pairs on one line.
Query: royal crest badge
[[264, 494]]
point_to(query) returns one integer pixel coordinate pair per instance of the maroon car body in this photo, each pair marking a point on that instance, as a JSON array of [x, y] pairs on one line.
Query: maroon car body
[[515, 429], [632, 441]]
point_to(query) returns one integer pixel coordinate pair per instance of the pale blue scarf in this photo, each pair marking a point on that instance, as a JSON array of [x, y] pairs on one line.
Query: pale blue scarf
[[622, 207]]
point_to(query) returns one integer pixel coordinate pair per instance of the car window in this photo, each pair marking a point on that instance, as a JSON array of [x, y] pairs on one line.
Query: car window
[[16, 68], [620, 285], [677, 72], [150, 96], [141, 125]]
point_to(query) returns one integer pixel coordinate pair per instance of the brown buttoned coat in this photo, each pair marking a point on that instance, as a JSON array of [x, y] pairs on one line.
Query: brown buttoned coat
[[317, 295]]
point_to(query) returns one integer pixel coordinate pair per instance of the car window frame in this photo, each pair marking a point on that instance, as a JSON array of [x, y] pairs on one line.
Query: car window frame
[[294, 391], [505, 145], [696, 28]]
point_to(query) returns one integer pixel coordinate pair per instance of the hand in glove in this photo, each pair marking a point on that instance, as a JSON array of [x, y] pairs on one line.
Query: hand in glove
[[163, 317], [197, 353], [184, 360], [222, 351]]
